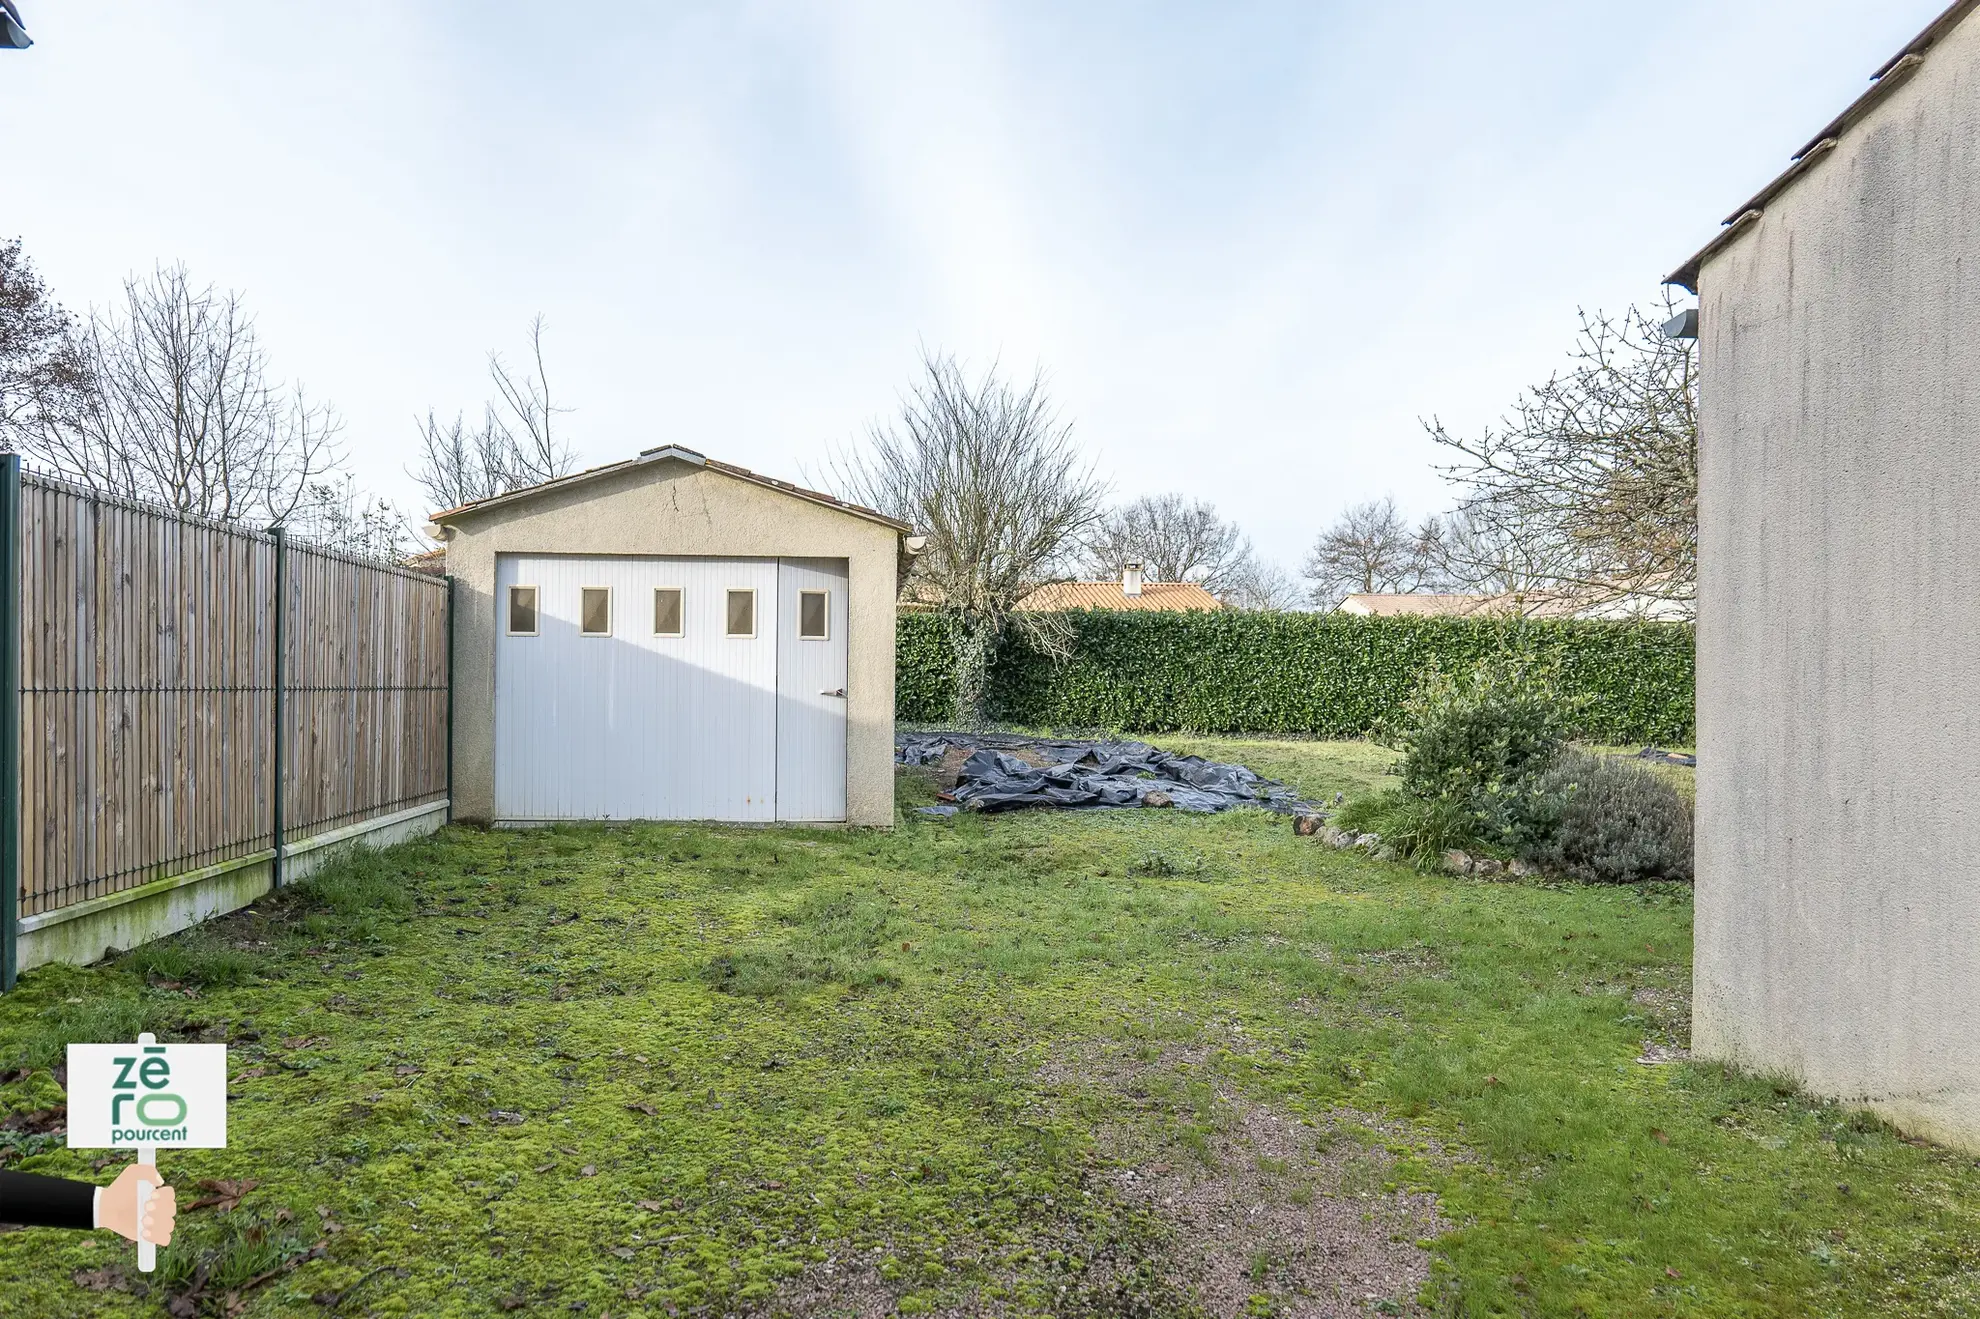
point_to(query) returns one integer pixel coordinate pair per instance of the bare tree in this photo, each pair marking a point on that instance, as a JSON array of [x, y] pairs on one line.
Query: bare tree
[[460, 464], [989, 474], [517, 443], [334, 512], [44, 377], [1175, 540], [1591, 486], [1256, 584], [1474, 555], [1179, 540], [180, 408], [1372, 549]]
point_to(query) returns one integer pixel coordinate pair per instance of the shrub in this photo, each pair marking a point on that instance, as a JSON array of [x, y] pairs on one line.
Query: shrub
[[1609, 821], [1478, 745], [1320, 675], [1420, 829]]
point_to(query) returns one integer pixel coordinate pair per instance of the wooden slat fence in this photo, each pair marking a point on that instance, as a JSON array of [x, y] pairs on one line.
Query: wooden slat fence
[[366, 690], [148, 692]]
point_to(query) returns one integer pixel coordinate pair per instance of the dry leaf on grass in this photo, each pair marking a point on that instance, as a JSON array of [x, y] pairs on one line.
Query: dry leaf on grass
[[39, 1121], [222, 1195]]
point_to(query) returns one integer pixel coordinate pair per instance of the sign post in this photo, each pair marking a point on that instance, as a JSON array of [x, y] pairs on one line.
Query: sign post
[[146, 1097]]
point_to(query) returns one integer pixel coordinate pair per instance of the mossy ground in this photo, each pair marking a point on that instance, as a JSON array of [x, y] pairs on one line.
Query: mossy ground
[[658, 1070]]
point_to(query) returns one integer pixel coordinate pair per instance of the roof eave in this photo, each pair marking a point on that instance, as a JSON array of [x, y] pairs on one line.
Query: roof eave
[[1895, 73], [676, 453]]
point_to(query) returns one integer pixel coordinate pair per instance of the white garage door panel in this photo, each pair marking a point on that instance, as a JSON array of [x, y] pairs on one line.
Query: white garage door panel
[[811, 703], [633, 725]]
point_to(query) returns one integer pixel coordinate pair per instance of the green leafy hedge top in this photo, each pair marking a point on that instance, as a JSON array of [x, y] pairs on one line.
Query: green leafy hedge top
[[1323, 675]]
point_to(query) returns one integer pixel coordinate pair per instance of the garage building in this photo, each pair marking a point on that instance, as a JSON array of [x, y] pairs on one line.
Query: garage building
[[672, 638]]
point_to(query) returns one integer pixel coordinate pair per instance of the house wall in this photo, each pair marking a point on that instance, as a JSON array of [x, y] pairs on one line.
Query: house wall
[[1838, 902], [670, 506]]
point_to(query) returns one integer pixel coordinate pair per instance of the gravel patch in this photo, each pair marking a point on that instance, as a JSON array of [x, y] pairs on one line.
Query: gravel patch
[[1270, 1214]]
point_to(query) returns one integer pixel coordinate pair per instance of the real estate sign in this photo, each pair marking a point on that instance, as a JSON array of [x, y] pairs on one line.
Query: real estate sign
[[147, 1096]]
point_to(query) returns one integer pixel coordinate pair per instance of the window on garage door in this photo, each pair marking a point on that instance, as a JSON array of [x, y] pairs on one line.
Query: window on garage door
[[742, 612], [595, 611], [667, 612], [522, 611], [814, 616]]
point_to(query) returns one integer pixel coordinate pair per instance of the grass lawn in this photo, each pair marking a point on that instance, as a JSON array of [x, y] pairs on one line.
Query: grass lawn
[[1128, 1063]]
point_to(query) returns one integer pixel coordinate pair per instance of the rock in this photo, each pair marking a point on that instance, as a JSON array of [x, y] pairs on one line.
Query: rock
[[1337, 838], [1457, 862], [1369, 841], [1306, 826], [1522, 869], [1485, 865], [1385, 853], [1157, 798]]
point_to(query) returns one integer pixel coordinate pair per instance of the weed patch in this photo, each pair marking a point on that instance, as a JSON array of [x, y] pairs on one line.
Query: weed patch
[[119, 1014], [834, 938]]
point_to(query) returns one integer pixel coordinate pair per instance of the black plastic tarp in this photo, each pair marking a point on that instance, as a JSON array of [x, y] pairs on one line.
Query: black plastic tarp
[[1079, 775]]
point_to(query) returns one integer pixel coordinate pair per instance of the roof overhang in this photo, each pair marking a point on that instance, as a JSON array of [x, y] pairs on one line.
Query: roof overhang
[[1894, 74], [670, 453]]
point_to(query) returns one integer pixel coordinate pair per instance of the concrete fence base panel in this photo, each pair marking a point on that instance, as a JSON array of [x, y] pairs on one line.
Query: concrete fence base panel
[[81, 933]]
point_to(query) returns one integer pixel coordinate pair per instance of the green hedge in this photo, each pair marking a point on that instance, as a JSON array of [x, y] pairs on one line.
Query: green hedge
[[1326, 675]]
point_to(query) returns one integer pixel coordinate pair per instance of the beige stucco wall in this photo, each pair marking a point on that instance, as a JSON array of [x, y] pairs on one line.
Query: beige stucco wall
[[670, 506], [1838, 913]]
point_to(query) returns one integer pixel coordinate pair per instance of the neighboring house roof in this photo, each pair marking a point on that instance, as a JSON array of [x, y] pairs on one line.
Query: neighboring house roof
[[1422, 605], [1173, 597], [1426, 605], [677, 452], [1885, 80], [431, 562]]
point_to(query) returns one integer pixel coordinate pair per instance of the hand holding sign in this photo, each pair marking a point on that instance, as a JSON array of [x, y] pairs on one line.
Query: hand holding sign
[[117, 1208], [143, 1097]]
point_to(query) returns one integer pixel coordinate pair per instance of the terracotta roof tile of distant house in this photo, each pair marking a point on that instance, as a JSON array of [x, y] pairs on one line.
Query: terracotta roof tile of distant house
[[432, 562], [1174, 597], [1424, 604], [1421, 604]]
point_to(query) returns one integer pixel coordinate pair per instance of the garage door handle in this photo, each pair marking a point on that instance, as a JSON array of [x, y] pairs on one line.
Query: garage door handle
[[836, 691]]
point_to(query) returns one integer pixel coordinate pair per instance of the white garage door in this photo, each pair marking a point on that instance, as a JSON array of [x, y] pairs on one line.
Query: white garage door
[[670, 688]]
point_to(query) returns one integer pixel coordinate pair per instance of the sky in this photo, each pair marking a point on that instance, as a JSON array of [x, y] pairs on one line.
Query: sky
[[1252, 244]]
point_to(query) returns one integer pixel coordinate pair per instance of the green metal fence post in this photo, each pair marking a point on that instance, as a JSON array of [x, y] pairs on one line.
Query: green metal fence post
[[450, 698], [10, 718], [280, 712]]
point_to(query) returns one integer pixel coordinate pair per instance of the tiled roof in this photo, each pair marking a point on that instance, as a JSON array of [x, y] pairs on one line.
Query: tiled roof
[[1173, 597], [431, 562], [1423, 604], [1535, 604]]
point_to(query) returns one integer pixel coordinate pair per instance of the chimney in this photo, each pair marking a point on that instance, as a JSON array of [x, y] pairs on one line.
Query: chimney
[[1131, 579]]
